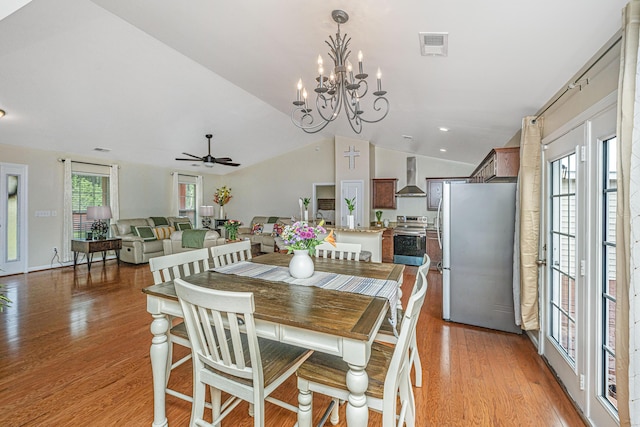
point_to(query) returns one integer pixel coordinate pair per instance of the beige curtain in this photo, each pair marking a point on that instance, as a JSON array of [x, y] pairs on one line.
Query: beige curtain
[[67, 221], [627, 256], [529, 197]]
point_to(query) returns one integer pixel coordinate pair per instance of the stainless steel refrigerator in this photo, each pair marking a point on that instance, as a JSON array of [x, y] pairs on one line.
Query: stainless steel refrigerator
[[477, 231]]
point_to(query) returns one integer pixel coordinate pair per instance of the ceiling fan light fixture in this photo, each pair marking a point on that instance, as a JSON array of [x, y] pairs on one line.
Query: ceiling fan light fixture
[[2, 113], [209, 164]]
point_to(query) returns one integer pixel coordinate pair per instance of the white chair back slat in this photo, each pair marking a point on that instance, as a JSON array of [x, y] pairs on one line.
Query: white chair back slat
[[345, 251], [231, 253], [224, 352], [169, 267]]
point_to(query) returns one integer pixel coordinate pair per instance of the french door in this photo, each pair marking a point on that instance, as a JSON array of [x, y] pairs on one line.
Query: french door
[[578, 305], [13, 219]]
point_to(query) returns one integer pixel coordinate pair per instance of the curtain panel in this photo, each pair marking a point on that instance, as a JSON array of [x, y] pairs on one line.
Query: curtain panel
[[529, 198], [628, 224]]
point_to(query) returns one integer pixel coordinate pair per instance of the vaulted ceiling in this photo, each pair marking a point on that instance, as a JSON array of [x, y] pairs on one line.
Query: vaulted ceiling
[[148, 79]]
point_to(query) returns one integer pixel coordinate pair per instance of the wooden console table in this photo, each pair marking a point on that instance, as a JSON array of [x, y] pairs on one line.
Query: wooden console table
[[90, 246]]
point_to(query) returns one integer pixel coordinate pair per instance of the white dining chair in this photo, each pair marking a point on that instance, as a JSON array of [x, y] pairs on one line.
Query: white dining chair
[[346, 251], [164, 269], [388, 370], [387, 333], [231, 253], [232, 360]]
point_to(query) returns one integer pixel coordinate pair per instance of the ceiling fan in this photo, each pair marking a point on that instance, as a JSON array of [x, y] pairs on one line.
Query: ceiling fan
[[209, 160]]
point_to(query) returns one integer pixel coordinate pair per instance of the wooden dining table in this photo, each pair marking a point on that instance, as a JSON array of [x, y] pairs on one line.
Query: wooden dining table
[[330, 321]]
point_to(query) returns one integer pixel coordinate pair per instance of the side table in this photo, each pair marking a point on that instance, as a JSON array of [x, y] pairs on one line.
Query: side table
[[89, 247]]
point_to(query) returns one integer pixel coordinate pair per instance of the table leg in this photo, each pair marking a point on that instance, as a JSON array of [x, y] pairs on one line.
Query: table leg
[[118, 255], [159, 352], [357, 409], [75, 259], [104, 257]]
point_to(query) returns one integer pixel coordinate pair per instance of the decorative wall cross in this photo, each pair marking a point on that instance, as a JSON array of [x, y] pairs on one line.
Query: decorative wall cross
[[352, 154]]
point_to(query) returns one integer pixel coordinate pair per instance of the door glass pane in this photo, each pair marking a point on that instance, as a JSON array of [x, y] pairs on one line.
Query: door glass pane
[[187, 201], [12, 217], [608, 268], [563, 251]]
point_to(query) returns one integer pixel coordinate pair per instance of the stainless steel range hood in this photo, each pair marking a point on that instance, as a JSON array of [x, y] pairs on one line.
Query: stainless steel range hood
[[411, 190]]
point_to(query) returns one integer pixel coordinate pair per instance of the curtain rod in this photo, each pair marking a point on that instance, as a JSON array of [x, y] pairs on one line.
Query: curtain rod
[[88, 163], [184, 174], [576, 81]]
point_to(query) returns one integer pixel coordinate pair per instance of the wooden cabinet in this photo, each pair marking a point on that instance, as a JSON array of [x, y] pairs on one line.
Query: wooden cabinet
[[384, 193], [387, 245], [501, 164], [434, 190], [433, 249]]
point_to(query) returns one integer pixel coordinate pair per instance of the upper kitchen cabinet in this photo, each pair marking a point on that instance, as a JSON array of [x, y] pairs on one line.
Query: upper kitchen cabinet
[[501, 164], [384, 193]]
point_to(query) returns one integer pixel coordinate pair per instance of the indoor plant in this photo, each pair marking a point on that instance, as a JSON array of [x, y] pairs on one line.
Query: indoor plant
[[231, 227], [379, 217], [305, 202], [351, 205], [302, 239], [222, 197]]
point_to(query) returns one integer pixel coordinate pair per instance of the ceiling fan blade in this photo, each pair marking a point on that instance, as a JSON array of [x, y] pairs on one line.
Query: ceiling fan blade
[[224, 159], [196, 157], [190, 160], [226, 163]]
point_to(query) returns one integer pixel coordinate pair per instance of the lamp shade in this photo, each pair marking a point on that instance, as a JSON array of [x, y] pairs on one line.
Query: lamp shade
[[98, 212], [206, 210]]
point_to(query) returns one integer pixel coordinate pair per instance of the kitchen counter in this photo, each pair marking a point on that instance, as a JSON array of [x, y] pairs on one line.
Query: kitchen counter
[[357, 229]]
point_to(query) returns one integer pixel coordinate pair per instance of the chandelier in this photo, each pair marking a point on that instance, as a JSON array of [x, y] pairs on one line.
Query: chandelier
[[340, 88]]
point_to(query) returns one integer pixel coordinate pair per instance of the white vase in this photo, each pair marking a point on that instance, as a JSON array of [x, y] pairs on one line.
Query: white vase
[[306, 216], [351, 221], [221, 213], [301, 265]]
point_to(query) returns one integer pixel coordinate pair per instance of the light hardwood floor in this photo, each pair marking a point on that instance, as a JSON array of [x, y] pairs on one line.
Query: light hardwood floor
[[74, 351]]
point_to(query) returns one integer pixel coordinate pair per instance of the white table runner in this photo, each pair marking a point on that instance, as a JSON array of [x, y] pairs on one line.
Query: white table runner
[[340, 282]]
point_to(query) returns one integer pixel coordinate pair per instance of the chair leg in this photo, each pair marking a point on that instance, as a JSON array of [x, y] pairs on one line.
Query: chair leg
[[197, 407], [216, 401], [335, 414], [305, 404], [251, 411]]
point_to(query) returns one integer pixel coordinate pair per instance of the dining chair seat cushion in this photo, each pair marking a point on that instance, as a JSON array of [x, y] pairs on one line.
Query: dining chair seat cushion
[[276, 358], [331, 371]]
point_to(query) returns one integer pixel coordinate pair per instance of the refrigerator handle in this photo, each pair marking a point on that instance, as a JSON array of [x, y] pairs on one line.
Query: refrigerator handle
[[438, 231]]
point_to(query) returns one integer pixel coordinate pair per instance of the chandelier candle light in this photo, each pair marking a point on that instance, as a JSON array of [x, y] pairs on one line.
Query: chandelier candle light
[[340, 87]]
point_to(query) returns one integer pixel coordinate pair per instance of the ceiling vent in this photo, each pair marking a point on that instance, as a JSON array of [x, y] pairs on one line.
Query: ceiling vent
[[102, 150], [434, 44]]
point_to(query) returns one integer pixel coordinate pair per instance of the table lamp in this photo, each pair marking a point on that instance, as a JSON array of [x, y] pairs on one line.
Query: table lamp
[[98, 214], [206, 212]]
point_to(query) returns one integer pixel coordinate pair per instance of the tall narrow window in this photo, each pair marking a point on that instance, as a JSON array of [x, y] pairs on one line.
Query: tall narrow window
[[187, 197], [563, 251], [608, 279], [87, 190], [12, 218]]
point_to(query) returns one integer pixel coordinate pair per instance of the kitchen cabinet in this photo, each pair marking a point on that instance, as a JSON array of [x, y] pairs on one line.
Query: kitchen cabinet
[[433, 249], [384, 193], [434, 190], [387, 245], [501, 164]]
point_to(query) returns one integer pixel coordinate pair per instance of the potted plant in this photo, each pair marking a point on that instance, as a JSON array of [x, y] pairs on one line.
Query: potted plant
[[305, 202], [351, 205], [378, 218], [222, 197], [231, 228]]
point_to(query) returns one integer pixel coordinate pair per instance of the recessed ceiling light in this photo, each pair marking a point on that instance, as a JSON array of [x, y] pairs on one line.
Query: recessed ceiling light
[[443, 129], [444, 150]]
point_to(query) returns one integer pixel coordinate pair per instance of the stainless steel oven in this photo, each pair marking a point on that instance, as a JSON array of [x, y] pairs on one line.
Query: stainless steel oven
[[410, 240]]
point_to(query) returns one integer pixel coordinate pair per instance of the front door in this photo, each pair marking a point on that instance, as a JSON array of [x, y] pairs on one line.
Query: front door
[[13, 218], [352, 190]]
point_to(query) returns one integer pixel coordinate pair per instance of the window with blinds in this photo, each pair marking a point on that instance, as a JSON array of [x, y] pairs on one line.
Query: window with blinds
[[87, 189]]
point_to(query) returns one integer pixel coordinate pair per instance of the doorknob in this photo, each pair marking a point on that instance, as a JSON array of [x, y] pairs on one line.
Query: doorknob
[[541, 262]]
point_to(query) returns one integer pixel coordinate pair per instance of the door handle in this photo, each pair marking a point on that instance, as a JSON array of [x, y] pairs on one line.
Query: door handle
[[541, 262]]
